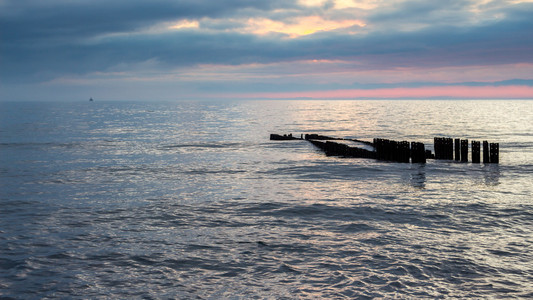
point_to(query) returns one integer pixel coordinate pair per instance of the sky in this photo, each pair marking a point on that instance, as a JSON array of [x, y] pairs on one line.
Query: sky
[[265, 49]]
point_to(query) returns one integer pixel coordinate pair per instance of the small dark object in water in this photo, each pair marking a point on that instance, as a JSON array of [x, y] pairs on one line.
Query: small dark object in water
[[278, 137]]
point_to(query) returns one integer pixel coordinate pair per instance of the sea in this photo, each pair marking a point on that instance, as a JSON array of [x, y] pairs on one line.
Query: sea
[[192, 200]]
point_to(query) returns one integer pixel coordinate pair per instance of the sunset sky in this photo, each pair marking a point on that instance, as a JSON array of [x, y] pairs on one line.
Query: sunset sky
[[258, 49]]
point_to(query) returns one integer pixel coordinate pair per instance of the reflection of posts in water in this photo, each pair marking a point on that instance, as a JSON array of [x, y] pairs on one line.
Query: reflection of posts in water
[[418, 176], [491, 173]]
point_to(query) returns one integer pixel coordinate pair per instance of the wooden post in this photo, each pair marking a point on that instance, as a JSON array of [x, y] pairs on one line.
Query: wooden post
[[377, 146], [422, 152], [390, 150], [486, 153], [495, 153], [449, 148], [414, 158], [475, 152], [457, 149], [464, 150], [393, 155], [437, 142], [404, 151]]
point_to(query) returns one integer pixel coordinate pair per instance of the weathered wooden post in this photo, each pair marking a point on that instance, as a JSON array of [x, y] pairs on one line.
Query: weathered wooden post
[[390, 150], [449, 148], [495, 153], [414, 158], [437, 142], [475, 152], [383, 149], [486, 153], [404, 151], [457, 149], [422, 152], [464, 150]]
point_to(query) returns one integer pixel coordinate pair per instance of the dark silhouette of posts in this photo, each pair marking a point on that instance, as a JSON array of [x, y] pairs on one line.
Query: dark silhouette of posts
[[495, 153], [457, 149], [475, 152], [486, 153], [389, 150], [392, 150], [449, 148], [404, 151], [464, 150], [437, 143], [443, 148]]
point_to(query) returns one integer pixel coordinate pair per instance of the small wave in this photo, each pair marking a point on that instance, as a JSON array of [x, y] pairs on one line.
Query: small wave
[[286, 268], [7, 264], [355, 227], [41, 144], [201, 145]]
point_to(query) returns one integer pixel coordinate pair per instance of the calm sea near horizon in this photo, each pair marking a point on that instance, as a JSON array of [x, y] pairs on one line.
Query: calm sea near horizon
[[191, 200]]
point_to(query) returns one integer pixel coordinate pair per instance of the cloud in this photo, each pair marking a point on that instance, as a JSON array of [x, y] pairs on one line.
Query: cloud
[[384, 42], [59, 20], [299, 26]]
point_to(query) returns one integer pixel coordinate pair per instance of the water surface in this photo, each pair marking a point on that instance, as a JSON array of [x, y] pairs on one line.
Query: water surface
[[191, 200]]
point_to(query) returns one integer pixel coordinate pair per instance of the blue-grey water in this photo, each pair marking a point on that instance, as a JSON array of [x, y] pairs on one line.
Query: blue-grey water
[[191, 200]]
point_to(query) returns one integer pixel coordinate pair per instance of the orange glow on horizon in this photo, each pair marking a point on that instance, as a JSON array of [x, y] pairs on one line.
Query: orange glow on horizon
[[456, 92]]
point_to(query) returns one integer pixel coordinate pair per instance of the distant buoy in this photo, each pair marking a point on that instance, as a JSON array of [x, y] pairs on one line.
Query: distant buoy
[[91, 99]]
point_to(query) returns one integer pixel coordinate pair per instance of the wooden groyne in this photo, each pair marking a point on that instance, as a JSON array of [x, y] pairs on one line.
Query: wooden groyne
[[444, 149], [400, 151]]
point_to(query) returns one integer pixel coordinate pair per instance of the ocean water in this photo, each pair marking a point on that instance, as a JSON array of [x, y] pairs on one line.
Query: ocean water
[[191, 200]]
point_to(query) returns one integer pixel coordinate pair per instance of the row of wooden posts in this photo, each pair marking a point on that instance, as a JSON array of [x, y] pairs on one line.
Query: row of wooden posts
[[402, 151], [444, 149]]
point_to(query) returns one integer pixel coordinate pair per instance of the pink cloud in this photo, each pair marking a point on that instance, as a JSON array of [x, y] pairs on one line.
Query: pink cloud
[[458, 92]]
